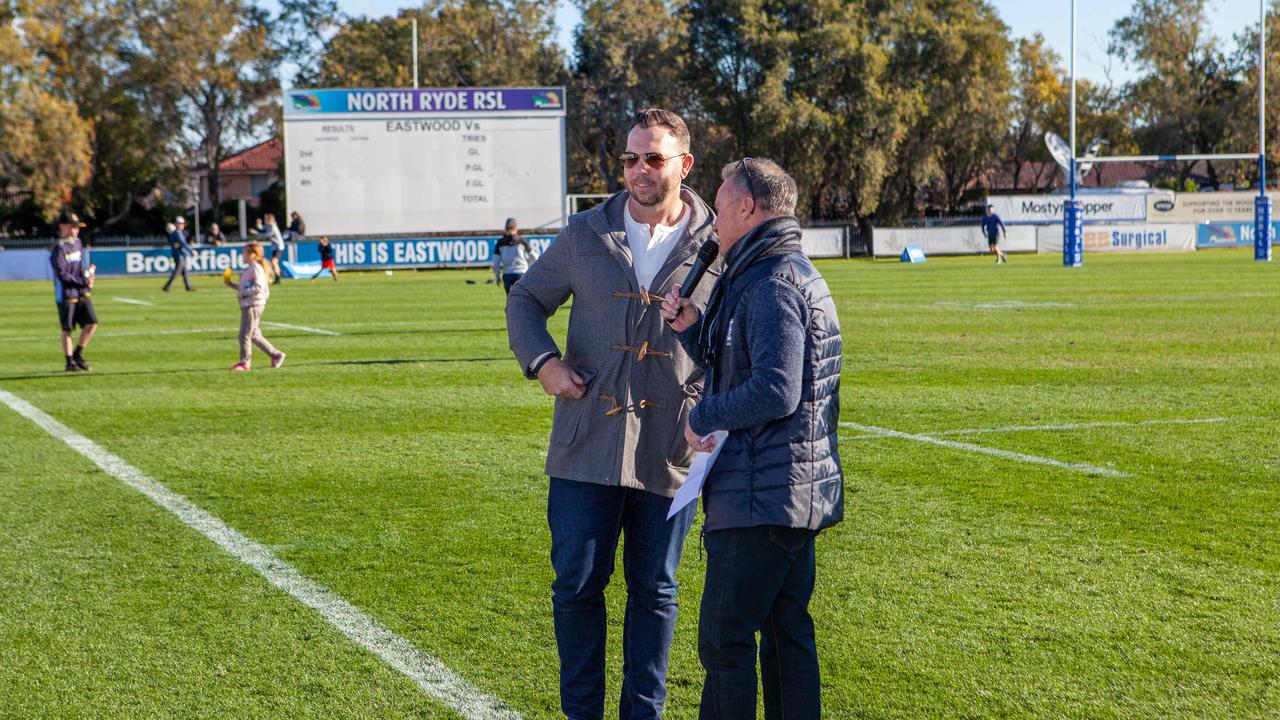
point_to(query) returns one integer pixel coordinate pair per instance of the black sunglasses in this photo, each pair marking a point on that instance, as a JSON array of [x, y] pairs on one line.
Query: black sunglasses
[[652, 159], [751, 182]]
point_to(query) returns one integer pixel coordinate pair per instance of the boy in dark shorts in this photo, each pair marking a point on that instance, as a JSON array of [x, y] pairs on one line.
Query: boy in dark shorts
[[72, 283], [993, 228], [326, 260]]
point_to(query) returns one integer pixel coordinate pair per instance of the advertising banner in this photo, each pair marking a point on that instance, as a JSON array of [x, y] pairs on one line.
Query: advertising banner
[[1233, 234], [962, 240], [1043, 209], [1123, 238], [822, 242], [1204, 207], [354, 254]]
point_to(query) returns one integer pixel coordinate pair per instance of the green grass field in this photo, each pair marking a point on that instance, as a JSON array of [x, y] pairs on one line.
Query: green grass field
[[399, 464]]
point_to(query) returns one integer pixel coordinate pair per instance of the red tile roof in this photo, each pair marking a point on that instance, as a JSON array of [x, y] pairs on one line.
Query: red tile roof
[[263, 157]]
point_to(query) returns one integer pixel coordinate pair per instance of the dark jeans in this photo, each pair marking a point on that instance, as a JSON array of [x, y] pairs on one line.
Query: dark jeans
[[179, 266], [509, 279], [759, 579], [586, 521]]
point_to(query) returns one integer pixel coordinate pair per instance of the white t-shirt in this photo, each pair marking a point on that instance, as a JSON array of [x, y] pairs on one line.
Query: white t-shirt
[[649, 250]]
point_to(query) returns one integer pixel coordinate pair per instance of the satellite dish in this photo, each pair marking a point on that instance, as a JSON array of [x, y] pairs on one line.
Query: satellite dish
[[1060, 151]]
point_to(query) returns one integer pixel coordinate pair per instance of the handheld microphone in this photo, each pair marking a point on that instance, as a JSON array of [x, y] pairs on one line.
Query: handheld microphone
[[706, 255]]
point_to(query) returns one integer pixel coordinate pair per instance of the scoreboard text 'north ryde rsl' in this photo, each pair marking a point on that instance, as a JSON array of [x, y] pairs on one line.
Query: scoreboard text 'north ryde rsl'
[[371, 162]]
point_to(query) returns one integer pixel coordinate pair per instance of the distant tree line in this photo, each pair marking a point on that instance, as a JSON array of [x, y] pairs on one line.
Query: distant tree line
[[882, 109]]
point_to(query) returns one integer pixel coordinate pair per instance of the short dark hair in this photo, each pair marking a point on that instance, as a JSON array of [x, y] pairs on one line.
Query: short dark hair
[[774, 191], [658, 117]]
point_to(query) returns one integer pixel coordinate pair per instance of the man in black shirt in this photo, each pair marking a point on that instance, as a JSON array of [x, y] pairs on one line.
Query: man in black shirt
[[326, 259]]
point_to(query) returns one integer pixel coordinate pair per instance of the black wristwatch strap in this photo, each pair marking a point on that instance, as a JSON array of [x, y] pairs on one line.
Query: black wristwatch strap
[[538, 365]]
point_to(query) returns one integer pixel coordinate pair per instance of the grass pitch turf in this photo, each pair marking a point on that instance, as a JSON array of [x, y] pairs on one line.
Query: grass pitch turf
[[400, 465]]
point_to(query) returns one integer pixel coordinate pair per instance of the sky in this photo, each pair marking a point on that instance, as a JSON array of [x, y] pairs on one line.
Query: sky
[[1052, 18]]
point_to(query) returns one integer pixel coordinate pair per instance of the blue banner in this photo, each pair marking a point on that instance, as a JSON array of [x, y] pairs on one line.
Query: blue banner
[[303, 102], [1230, 234], [353, 254]]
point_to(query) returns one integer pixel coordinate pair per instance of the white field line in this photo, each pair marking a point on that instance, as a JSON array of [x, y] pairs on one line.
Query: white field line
[[434, 325], [131, 301], [1079, 426], [428, 673], [1065, 427], [303, 328], [1007, 454]]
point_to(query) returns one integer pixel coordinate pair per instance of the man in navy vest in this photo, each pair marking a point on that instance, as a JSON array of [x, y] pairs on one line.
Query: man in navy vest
[[770, 345]]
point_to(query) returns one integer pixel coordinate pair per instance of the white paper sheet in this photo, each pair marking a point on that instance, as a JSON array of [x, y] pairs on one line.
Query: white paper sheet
[[698, 471]]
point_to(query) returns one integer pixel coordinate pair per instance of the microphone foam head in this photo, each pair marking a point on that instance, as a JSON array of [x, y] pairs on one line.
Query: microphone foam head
[[708, 252]]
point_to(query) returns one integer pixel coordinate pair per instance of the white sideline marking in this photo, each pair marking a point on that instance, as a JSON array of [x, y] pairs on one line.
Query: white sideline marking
[[149, 333], [1007, 454], [1062, 427], [1080, 426], [427, 672], [131, 301], [303, 328]]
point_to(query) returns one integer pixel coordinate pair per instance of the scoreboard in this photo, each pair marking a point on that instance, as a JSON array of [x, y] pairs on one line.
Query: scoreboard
[[427, 160]]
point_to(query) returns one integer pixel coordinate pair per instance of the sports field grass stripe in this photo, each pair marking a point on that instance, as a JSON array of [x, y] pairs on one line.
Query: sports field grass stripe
[[1007, 454], [303, 328], [131, 301], [427, 672]]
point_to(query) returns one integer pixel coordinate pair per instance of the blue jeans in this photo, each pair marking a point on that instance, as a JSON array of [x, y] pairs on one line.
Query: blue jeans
[[586, 521], [759, 579]]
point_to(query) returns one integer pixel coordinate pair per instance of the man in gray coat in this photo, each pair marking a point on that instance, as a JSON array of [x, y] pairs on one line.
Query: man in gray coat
[[770, 343], [623, 389]]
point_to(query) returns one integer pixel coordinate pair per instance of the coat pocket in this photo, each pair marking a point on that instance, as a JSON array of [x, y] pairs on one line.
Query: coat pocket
[[568, 413]]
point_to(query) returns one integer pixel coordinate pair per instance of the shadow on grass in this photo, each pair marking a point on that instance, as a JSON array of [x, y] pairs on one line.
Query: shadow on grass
[[63, 375]]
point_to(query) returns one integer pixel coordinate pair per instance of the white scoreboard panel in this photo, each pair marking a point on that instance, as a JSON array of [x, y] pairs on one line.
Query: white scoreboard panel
[[373, 162]]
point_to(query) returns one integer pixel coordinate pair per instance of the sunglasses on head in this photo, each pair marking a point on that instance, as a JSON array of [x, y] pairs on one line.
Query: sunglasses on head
[[652, 159]]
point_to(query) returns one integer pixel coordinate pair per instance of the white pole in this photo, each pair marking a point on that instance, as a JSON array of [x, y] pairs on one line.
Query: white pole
[[1073, 99], [415, 53]]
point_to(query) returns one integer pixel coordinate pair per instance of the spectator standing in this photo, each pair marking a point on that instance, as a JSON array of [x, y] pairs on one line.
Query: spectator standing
[[270, 232], [512, 256], [179, 250], [72, 286]]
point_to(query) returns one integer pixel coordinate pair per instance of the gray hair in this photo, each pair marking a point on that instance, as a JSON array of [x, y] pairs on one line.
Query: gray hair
[[770, 186]]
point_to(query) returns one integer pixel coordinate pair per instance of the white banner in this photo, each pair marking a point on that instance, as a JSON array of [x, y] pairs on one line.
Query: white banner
[[1205, 207], [823, 242], [961, 240], [1123, 238], [1117, 206]]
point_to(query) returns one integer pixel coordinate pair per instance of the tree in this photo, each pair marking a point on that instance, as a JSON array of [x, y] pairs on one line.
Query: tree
[[1186, 98], [45, 143], [809, 85], [464, 43], [224, 87], [1039, 90], [624, 62]]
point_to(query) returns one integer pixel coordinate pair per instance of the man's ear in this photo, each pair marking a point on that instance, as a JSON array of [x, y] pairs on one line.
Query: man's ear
[[686, 164]]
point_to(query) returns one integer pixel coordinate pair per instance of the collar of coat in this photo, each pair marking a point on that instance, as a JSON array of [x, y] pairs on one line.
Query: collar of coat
[[608, 223], [775, 236]]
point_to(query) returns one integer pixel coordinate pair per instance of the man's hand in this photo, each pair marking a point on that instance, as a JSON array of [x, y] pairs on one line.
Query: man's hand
[[678, 311], [560, 380], [697, 442], [93, 273]]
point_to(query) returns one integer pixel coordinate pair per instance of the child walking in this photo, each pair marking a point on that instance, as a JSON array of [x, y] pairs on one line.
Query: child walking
[[253, 291]]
